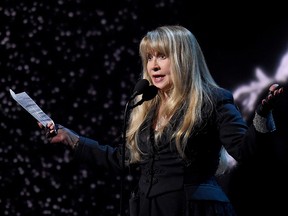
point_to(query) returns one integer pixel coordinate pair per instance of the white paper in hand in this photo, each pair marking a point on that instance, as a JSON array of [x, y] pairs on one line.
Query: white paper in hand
[[30, 106]]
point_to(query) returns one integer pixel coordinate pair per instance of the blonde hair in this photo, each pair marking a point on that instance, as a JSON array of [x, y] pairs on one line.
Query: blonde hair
[[191, 88]]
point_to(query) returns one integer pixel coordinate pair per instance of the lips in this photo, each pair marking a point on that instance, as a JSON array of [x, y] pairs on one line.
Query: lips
[[158, 78]]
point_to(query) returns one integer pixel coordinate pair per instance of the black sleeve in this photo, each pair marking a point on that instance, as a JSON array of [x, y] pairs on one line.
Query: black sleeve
[[91, 151], [240, 140]]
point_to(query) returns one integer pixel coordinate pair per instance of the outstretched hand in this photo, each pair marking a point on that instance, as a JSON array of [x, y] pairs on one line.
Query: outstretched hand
[[56, 133], [268, 103]]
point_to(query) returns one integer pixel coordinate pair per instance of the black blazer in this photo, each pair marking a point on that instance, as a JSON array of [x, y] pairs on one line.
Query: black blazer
[[163, 170]]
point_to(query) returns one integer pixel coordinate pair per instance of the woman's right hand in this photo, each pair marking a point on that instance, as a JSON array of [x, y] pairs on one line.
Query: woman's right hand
[[57, 133]]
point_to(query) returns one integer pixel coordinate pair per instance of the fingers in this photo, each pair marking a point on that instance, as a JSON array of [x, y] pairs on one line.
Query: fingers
[[55, 133], [65, 136], [51, 129], [275, 90], [49, 125], [273, 87], [269, 103]]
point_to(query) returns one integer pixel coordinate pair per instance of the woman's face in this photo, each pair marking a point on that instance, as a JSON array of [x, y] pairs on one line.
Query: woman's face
[[158, 67]]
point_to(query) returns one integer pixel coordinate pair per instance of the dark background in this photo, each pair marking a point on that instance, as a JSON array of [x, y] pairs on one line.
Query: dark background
[[79, 61]]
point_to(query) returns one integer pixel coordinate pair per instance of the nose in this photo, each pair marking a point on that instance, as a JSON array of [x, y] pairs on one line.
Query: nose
[[155, 65]]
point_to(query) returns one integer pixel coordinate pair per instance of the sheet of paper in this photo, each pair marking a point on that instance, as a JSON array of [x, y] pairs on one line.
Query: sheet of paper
[[30, 106]]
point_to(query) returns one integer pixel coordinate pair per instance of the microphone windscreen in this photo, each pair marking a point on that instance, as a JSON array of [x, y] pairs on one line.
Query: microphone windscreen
[[140, 86], [150, 93]]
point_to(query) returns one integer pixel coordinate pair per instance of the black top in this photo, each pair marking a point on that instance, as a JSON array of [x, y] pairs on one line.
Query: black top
[[163, 170]]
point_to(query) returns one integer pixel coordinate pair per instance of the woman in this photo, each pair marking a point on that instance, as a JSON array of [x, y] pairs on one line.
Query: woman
[[177, 138]]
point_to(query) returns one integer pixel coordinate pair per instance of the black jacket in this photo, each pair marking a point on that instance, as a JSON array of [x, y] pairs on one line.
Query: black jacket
[[163, 170]]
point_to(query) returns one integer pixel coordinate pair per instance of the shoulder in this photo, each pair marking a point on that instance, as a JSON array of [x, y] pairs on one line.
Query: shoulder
[[219, 100], [221, 95]]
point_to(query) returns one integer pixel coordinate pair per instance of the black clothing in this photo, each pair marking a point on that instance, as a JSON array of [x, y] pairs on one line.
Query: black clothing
[[172, 186]]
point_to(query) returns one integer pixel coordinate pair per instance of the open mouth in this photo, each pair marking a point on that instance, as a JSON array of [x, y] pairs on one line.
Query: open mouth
[[158, 78]]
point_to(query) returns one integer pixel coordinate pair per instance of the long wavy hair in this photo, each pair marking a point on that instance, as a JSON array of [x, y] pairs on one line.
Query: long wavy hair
[[191, 86]]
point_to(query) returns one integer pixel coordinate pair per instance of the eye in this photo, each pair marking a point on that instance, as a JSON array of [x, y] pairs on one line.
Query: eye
[[149, 57], [162, 56]]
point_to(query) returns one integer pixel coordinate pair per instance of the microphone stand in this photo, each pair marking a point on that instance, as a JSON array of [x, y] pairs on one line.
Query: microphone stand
[[148, 94], [123, 159]]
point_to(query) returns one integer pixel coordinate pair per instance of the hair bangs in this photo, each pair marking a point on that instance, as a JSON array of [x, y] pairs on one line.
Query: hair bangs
[[153, 43]]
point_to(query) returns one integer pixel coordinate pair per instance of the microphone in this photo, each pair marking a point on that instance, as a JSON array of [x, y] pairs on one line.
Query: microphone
[[139, 88], [149, 93]]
